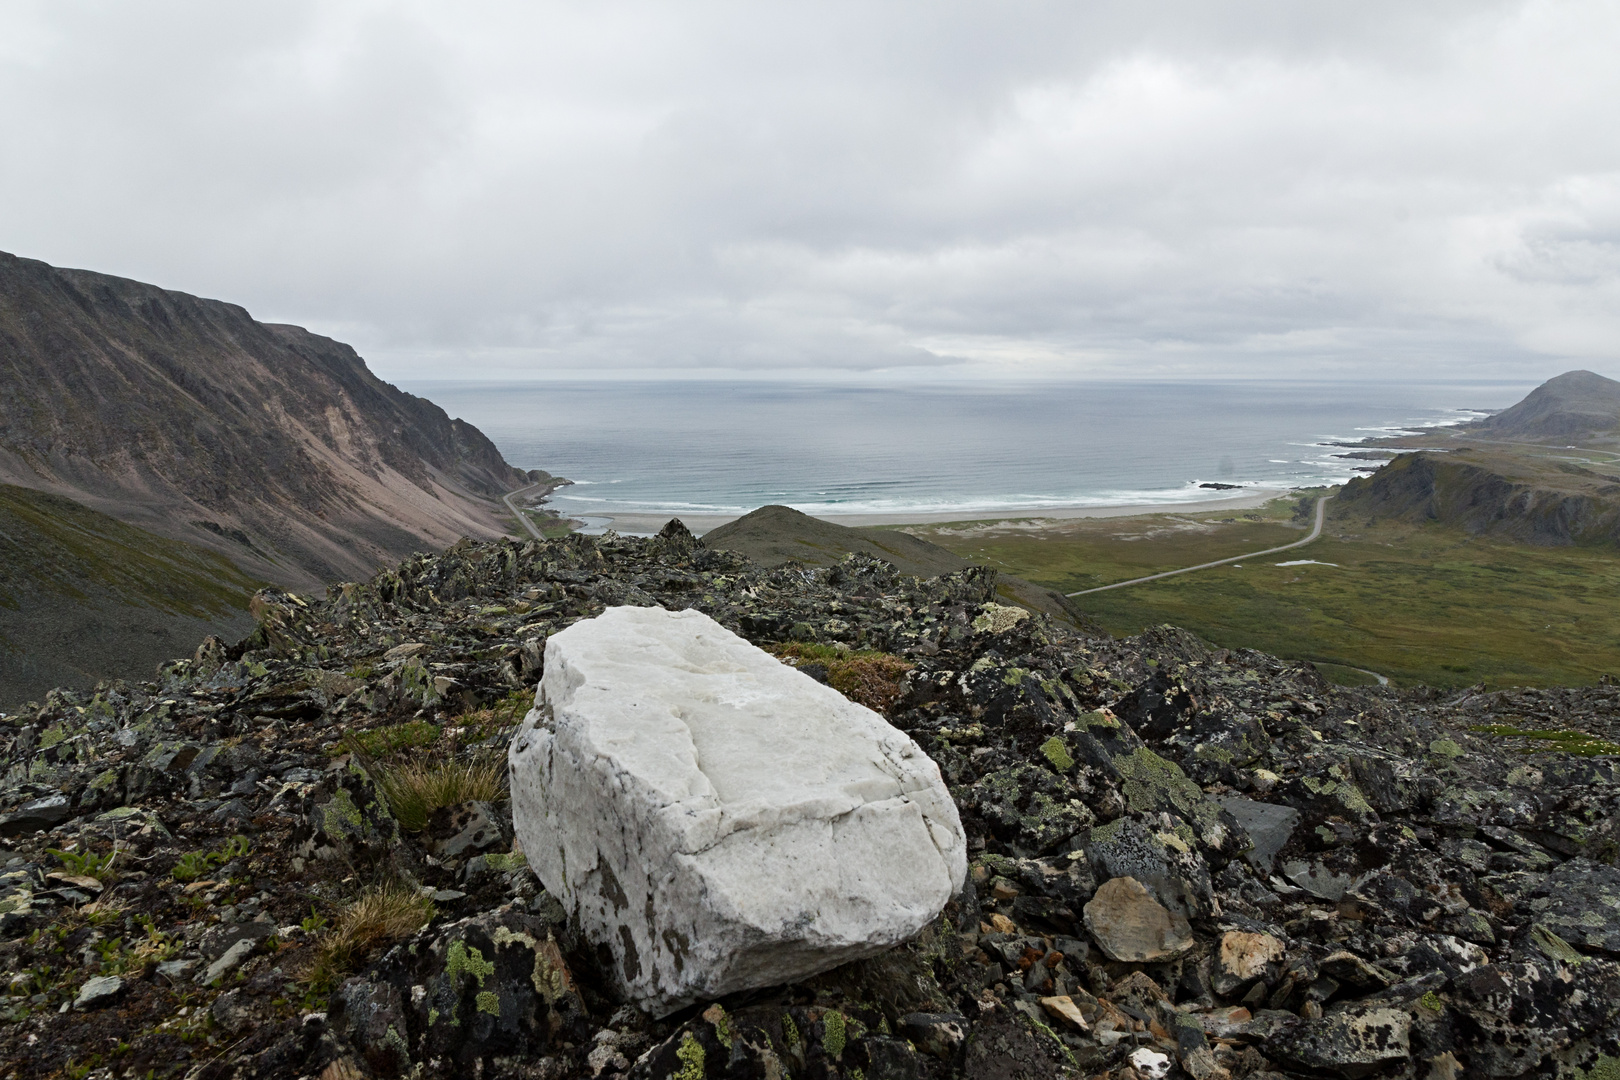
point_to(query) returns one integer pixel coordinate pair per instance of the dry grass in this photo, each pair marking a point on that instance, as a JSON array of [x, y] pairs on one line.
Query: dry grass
[[379, 916], [417, 788], [873, 679]]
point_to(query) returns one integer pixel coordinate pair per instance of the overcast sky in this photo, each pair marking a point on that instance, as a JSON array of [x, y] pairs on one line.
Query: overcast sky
[[531, 189]]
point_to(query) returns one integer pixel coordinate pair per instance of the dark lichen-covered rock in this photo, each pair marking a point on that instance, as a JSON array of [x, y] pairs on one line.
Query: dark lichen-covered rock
[[494, 985], [1582, 905], [1338, 857], [345, 817], [1350, 1042]]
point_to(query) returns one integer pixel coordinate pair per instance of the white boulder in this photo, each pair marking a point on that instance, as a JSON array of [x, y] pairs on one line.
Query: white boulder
[[719, 820]]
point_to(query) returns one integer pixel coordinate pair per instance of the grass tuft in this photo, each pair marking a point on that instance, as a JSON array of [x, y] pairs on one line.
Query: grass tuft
[[417, 788], [378, 917]]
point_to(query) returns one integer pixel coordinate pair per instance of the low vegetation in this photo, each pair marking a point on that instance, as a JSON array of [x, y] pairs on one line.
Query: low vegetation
[[195, 864], [1419, 603], [417, 788], [869, 678], [378, 917]]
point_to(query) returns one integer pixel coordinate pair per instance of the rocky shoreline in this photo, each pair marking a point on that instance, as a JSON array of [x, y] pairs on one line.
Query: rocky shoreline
[[1183, 860]]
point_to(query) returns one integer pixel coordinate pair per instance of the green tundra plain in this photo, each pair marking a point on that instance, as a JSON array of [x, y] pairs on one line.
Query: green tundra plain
[[1415, 602]]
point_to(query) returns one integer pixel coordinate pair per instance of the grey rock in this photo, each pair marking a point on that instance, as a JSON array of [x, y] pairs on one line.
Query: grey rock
[[175, 970], [219, 940], [1352, 1043], [99, 992], [1269, 827], [228, 962], [454, 832], [46, 813], [1582, 905], [1317, 879], [1178, 879], [233, 1011], [938, 1034]]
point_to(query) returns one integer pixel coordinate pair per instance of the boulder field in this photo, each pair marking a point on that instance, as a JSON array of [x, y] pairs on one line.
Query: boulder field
[[1180, 860]]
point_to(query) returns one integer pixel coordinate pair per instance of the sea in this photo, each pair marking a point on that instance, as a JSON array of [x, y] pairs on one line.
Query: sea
[[674, 447]]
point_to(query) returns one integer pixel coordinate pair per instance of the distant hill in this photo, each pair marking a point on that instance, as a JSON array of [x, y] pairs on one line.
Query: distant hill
[[1499, 494], [85, 597], [775, 535], [1573, 404], [266, 443]]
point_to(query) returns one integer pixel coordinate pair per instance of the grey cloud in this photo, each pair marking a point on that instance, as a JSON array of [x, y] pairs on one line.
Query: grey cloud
[[1112, 188]]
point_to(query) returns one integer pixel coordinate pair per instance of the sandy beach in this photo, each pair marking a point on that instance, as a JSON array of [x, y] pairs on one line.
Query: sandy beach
[[647, 524]]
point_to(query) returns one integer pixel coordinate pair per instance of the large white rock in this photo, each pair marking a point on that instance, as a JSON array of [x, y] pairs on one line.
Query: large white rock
[[717, 819]]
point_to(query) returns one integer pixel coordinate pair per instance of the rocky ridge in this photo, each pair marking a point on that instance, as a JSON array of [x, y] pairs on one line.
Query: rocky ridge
[[1184, 860], [275, 447]]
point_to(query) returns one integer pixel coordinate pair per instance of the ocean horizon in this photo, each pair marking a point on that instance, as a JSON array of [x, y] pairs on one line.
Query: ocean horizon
[[702, 447]]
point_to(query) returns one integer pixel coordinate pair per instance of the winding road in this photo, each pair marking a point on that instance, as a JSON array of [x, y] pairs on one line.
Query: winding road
[[1321, 510], [524, 518]]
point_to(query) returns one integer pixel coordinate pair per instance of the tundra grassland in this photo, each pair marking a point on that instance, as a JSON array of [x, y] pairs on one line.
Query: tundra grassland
[[1419, 603]]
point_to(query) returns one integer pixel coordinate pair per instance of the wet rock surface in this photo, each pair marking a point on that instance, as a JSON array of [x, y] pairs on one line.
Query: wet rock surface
[[1416, 883]]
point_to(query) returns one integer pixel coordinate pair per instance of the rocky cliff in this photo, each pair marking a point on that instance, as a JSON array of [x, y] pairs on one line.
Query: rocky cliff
[[1490, 494], [269, 444]]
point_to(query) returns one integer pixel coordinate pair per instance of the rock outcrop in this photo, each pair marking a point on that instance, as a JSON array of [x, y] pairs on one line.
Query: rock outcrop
[[1489, 495], [717, 820], [1436, 895]]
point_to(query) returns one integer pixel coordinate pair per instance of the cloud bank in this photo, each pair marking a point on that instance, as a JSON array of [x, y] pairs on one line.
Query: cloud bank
[[1020, 189]]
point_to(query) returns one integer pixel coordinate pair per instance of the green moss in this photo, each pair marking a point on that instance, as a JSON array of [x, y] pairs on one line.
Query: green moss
[[433, 1016], [1556, 948], [1150, 781], [1604, 1068], [833, 1033], [1432, 1002], [460, 960], [1404, 599], [716, 1015], [691, 1056], [1445, 748], [340, 815], [1057, 752], [790, 1031], [998, 619], [1100, 718], [489, 1002]]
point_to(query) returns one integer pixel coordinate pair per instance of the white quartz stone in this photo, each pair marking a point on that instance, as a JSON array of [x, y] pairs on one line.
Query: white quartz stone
[[718, 819]]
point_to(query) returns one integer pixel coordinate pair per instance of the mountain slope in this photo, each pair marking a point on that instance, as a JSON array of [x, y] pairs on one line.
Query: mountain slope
[[267, 443], [85, 597], [1492, 494], [1571, 405]]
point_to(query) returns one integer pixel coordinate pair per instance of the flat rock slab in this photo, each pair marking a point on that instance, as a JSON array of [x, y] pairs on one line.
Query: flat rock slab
[[1268, 826], [717, 819], [1129, 925]]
